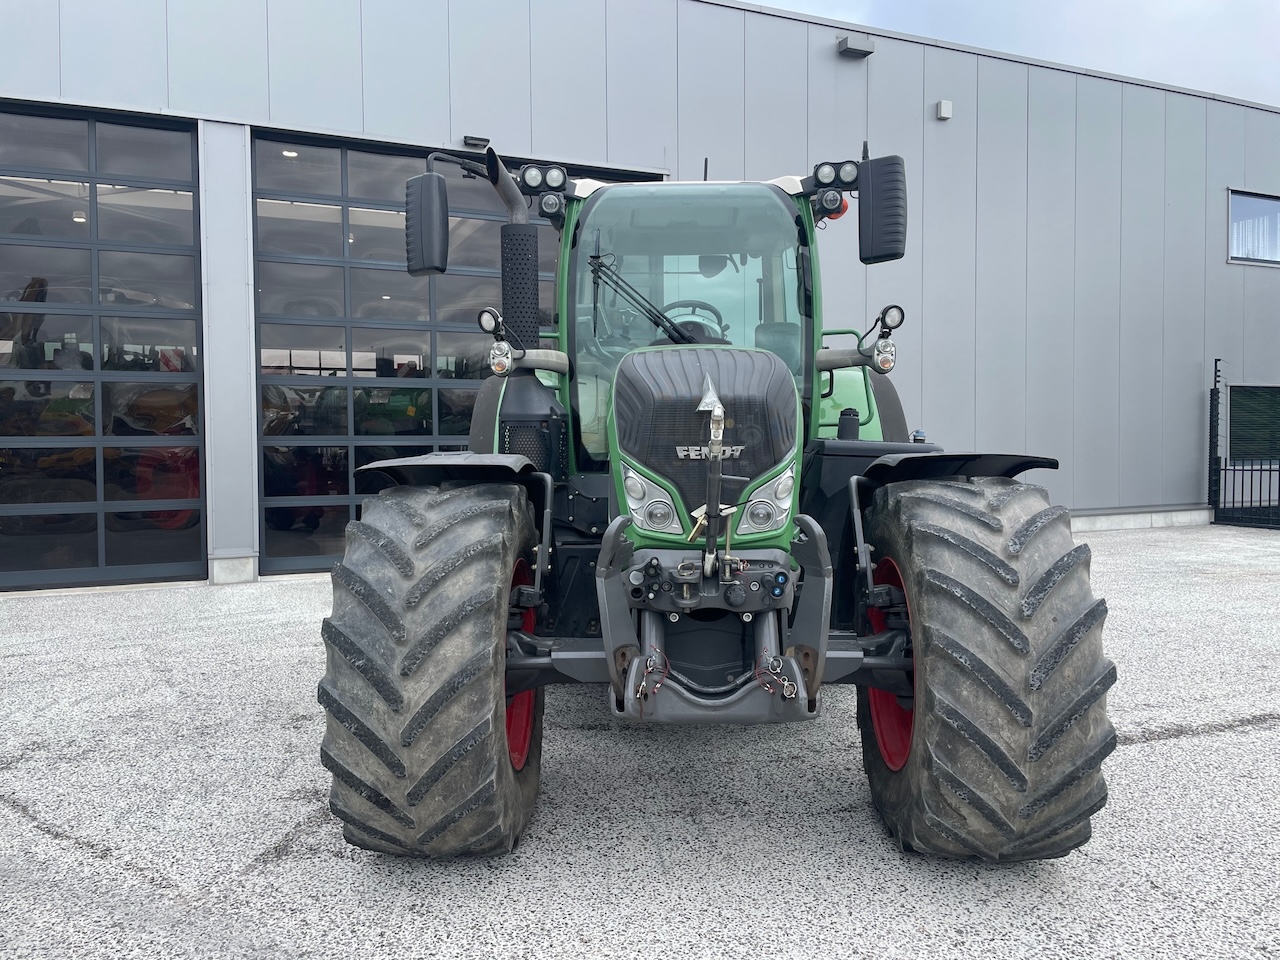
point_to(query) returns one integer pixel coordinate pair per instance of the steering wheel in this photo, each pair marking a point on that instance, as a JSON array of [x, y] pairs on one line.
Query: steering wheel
[[697, 327]]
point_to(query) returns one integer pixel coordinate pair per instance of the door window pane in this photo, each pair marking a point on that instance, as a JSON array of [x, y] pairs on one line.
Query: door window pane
[[388, 295], [304, 471], [150, 409], [459, 299], [297, 350], [1255, 227], [468, 192], [455, 411], [48, 475], [154, 536], [475, 243], [389, 353], [149, 217], [388, 411], [152, 344], [297, 168], [42, 341], [305, 531], [43, 142], [40, 408], [377, 235], [369, 482], [376, 176], [151, 473], [47, 209], [304, 411], [548, 248], [144, 152], [44, 274], [146, 280], [299, 229], [463, 356], [55, 541], [300, 290]]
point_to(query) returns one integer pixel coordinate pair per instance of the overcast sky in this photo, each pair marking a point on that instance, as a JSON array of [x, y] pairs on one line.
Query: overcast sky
[[1229, 47]]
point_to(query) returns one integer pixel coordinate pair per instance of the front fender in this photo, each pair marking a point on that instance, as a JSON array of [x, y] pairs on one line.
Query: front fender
[[895, 467]]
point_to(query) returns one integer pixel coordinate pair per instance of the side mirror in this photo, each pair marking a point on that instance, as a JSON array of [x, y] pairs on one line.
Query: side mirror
[[882, 209], [426, 224]]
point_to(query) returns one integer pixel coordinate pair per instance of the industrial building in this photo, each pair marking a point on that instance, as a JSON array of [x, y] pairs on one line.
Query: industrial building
[[201, 247]]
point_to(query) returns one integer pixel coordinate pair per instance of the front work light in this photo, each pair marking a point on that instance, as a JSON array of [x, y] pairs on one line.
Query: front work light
[[550, 204], [891, 317], [555, 177], [824, 173], [849, 173], [532, 177], [489, 320]]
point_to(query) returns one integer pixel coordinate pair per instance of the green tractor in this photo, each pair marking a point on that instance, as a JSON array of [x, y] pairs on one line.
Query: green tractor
[[678, 490]]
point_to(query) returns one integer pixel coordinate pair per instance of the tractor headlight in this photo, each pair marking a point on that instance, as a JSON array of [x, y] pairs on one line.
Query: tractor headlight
[[555, 177], [782, 489], [886, 354], [824, 173], [659, 514], [550, 204], [532, 177], [761, 514], [650, 507], [849, 172], [500, 358], [634, 486], [770, 505]]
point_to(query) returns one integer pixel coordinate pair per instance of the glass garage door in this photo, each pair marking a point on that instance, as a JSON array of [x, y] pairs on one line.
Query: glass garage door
[[100, 387], [358, 361]]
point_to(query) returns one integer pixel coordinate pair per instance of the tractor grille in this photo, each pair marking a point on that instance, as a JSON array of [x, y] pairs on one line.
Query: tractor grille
[[656, 396]]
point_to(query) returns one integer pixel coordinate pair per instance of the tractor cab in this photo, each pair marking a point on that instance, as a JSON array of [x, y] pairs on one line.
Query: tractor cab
[[657, 265]]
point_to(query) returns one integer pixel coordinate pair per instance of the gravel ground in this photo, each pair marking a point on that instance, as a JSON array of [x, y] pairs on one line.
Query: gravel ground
[[161, 796]]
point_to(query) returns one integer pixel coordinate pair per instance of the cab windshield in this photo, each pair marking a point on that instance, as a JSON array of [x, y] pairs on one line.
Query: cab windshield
[[722, 262]]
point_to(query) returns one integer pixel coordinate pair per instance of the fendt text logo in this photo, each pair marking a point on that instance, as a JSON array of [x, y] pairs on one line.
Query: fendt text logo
[[704, 453]]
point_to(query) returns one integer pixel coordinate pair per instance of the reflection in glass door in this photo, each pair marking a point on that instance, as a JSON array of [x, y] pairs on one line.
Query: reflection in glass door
[[100, 387]]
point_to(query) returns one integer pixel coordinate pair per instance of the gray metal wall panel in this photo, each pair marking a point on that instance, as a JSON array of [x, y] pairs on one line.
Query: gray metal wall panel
[[204, 38], [314, 54], [641, 83], [947, 316], [30, 67], [568, 92], [1001, 260], [1224, 282], [113, 55], [837, 125], [230, 430], [1051, 149], [490, 102], [777, 86], [1261, 333], [1142, 201], [1185, 401], [1262, 152], [404, 54], [895, 124], [710, 96], [1096, 390], [1261, 329]]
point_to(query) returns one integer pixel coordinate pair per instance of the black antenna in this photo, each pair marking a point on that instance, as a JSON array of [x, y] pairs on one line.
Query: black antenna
[[866, 154], [705, 162]]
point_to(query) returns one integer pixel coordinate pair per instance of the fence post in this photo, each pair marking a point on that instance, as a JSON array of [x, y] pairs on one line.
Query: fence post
[[1215, 461]]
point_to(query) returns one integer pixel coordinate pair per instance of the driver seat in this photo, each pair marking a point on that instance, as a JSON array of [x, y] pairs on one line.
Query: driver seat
[[784, 340]]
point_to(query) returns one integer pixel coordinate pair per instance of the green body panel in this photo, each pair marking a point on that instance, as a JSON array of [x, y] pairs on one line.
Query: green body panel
[[846, 388]]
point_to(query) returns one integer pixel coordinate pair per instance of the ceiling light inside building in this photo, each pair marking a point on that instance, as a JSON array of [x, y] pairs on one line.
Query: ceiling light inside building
[[79, 216], [289, 153]]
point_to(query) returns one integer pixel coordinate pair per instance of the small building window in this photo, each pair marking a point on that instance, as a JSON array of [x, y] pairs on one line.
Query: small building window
[[1255, 228]]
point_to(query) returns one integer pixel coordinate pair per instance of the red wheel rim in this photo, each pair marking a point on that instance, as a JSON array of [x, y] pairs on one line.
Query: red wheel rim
[[520, 708], [891, 723]]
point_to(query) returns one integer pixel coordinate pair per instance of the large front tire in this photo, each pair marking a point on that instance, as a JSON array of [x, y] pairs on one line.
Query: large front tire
[[998, 756], [428, 755]]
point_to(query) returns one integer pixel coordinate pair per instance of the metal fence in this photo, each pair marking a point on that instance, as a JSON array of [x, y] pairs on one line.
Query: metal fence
[[1244, 452]]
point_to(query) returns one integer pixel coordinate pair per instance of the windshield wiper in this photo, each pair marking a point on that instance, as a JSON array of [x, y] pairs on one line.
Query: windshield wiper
[[607, 274]]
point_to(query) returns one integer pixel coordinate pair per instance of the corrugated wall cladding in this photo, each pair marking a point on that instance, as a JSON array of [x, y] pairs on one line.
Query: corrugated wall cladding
[[1066, 282]]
